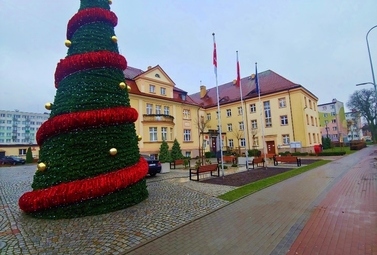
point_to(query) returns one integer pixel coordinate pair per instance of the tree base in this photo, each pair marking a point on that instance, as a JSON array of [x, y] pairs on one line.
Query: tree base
[[113, 202]]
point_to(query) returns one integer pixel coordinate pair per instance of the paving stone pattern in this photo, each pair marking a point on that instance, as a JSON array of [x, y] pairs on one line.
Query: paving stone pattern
[[171, 203]]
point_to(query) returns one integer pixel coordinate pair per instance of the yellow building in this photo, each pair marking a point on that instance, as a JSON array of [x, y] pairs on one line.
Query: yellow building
[[283, 118], [165, 111]]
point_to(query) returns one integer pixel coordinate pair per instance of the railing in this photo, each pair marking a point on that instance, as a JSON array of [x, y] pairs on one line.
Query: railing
[[157, 117]]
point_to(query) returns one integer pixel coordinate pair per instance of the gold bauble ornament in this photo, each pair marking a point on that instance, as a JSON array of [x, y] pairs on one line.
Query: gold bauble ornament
[[48, 106], [113, 151], [128, 88], [114, 38], [41, 167], [122, 85], [139, 137], [67, 43]]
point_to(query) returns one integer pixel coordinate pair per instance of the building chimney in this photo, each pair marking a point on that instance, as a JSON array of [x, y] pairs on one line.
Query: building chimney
[[203, 91]]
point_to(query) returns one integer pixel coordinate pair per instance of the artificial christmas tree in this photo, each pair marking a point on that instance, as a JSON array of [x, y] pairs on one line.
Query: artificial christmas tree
[[89, 157]]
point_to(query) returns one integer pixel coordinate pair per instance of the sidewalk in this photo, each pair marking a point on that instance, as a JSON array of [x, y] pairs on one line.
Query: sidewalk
[[290, 213]]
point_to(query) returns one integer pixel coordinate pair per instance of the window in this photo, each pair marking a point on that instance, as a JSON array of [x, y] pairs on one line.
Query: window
[[188, 154], [166, 110], [310, 139], [208, 116], [282, 103], [253, 108], [158, 109], [153, 134], [230, 143], [310, 104], [171, 134], [306, 105], [186, 114], [164, 133], [228, 112], [314, 140], [149, 108], [267, 113], [307, 119], [333, 113], [163, 91], [316, 122], [242, 142], [229, 127], [334, 128], [22, 151], [186, 135], [254, 124], [239, 110], [332, 106], [152, 88], [312, 120], [285, 139], [217, 114], [284, 120], [241, 125], [325, 115]]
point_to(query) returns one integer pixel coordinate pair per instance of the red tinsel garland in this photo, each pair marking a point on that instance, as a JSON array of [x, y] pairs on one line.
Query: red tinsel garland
[[88, 60], [87, 16], [79, 190], [67, 122]]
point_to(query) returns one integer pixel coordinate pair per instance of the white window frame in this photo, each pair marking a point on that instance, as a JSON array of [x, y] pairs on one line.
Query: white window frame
[[187, 135], [285, 139], [229, 112], [149, 108], [284, 120], [152, 88], [229, 127], [252, 108], [163, 91], [164, 133], [153, 134]]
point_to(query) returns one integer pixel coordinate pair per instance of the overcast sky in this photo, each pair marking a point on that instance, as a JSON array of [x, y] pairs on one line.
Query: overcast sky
[[319, 44]]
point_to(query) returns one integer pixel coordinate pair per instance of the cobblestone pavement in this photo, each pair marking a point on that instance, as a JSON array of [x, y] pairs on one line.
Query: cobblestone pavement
[[173, 201]]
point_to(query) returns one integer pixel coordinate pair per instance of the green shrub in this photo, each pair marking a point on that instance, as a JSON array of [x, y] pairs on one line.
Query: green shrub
[[210, 154], [29, 156], [176, 152], [254, 153], [164, 154]]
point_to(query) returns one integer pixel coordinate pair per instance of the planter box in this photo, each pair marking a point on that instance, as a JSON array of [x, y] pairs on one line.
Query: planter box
[[165, 168]]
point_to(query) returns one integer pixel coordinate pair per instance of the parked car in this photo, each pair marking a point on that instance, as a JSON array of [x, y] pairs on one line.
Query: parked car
[[12, 160], [154, 165]]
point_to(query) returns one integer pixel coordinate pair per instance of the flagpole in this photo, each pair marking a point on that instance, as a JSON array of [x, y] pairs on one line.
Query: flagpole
[[239, 83], [261, 113], [218, 107]]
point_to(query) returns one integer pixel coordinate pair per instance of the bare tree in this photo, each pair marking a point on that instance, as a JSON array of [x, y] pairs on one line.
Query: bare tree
[[364, 101], [202, 125], [239, 135]]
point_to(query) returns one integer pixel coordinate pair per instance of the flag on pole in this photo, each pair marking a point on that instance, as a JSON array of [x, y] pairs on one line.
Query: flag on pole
[[257, 88], [238, 83], [214, 54]]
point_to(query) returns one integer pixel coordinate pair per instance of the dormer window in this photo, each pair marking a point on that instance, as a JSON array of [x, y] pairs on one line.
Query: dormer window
[[183, 97], [152, 88], [163, 91], [157, 75]]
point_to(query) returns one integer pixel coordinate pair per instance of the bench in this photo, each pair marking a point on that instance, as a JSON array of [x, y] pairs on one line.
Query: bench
[[255, 162], [287, 159], [229, 159], [176, 162], [204, 169]]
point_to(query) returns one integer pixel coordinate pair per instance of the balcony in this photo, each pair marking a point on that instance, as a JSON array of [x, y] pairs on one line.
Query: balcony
[[158, 118]]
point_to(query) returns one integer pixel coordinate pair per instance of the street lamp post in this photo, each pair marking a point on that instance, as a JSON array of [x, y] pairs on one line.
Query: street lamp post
[[370, 60]]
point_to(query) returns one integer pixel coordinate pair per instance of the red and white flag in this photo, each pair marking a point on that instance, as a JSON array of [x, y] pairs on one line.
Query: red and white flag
[[214, 54]]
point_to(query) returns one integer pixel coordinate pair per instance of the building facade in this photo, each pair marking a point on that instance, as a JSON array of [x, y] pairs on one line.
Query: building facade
[[354, 126], [17, 131], [283, 118], [333, 121]]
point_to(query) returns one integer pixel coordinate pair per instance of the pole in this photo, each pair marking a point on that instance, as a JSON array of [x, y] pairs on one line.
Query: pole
[[261, 108], [218, 106], [370, 60], [239, 83]]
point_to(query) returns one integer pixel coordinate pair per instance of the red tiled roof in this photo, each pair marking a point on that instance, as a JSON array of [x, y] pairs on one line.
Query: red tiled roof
[[269, 82]]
